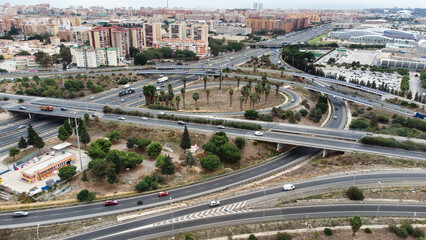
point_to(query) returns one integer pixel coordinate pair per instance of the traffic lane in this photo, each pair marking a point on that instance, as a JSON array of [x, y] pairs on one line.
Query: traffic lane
[[14, 128], [246, 197], [339, 110]]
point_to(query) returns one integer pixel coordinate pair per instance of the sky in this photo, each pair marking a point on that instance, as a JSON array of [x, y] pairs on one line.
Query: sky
[[200, 4]]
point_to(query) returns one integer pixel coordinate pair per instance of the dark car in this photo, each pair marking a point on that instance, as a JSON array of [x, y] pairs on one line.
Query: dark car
[[64, 109]]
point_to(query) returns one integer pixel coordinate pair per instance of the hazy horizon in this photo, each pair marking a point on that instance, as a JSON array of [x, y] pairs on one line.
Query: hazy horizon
[[193, 4]]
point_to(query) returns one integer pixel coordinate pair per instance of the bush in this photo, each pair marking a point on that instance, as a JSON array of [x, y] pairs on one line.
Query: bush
[[283, 236], [368, 230], [402, 232], [407, 227], [418, 232], [328, 231], [383, 119], [359, 124], [393, 143], [392, 228], [142, 186], [20, 100], [210, 162], [86, 196], [252, 237], [304, 112], [160, 107], [369, 108], [266, 117], [251, 114], [354, 193], [240, 142]]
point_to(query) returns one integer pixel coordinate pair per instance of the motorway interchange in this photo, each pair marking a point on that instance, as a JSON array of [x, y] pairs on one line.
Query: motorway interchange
[[202, 216]]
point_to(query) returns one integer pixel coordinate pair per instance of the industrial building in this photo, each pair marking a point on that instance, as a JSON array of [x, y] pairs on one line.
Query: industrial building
[[46, 168]]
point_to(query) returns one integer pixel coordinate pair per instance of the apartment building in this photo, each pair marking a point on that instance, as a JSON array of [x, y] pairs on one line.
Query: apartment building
[[26, 63], [200, 32], [177, 30], [89, 57], [231, 30], [152, 32], [200, 48]]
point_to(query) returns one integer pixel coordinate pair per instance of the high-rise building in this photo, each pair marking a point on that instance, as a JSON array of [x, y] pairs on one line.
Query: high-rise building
[[152, 32], [88, 57], [260, 6], [200, 32], [177, 30], [255, 6], [200, 48]]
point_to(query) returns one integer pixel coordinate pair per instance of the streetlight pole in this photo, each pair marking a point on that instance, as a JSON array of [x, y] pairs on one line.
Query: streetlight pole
[[78, 144], [354, 175], [38, 225], [381, 196], [171, 204], [264, 193]]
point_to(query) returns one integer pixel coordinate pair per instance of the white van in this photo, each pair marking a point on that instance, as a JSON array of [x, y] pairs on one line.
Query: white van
[[288, 187]]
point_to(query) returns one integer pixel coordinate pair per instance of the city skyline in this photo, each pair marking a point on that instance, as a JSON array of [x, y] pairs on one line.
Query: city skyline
[[191, 4]]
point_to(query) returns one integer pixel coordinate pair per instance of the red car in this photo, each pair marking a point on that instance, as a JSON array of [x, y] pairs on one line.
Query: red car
[[110, 202], [162, 194]]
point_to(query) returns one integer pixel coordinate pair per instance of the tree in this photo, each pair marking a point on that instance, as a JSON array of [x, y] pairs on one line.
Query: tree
[[374, 121], [82, 133], [67, 172], [195, 96], [140, 59], [159, 161], [154, 149], [238, 83], [142, 186], [22, 143], [143, 143], [230, 152], [283, 236], [133, 52], [31, 135], [44, 59], [113, 136], [131, 142], [182, 91], [207, 95], [63, 134], [242, 98], [84, 177], [86, 196], [356, 223], [168, 167], [210, 162], [240, 142], [252, 237], [39, 143], [184, 82], [189, 159], [177, 102], [13, 152], [68, 127], [111, 175], [205, 82], [186, 139], [132, 159], [231, 92], [116, 158], [99, 169], [86, 117]]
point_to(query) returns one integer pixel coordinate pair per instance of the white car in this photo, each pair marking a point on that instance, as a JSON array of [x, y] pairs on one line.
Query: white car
[[121, 118], [21, 126], [288, 187], [257, 133], [214, 203], [220, 127], [91, 98], [335, 117], [144, 118], [22, 108]]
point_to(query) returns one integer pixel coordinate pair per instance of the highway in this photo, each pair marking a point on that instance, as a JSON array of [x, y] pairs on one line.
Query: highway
[[145, 226]]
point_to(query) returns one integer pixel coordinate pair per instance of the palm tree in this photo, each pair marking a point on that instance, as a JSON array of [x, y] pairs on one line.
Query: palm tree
[[258, 89], [167, 98], [267, 91], [245, 92], [205, 82], [264, 82], [162, 96], [242, 98], [177, 102], [253, 99], [238, 83], [249, 84], [231, 92], [170, 88], [155, 97], [220, 81], [195, 96], [184, 85], [277, 87], [182, 91], [208, 94]]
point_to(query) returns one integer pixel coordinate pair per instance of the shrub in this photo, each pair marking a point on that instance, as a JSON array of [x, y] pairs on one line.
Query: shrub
[[283, 236], [407, 227], [369, 108], [252, 237], [20, 100], [402, 232], [418, 232], [240, 142], [368, 230], [251, 114], [142, 186], [86, 196], [160, 107], [210, 162], [392, 228], [359, 124], [328, 231], [304, 112], [354, 193], [383, 119], [266, 117]]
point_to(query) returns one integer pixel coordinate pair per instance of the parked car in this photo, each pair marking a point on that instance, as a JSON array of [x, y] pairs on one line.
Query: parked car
[[64, 109], [162, 194], [20, 214], [52, 153], [288, 187], [144, 118], [181, 122], [214, 203], [220, 127], [22, 126], [22, 108], [110, 202], [257, 133], [121, 118]]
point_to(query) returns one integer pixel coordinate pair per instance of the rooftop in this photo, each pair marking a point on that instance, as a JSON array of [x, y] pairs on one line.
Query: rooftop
[[41, 165]]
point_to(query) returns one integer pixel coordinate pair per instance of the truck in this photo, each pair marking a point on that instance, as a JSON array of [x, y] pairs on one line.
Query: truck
[[162, 79], [46, 108], [422, 116]]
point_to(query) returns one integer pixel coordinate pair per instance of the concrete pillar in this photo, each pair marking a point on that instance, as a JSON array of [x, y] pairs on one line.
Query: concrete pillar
[[324, 152], [279, 146], [29, 115]]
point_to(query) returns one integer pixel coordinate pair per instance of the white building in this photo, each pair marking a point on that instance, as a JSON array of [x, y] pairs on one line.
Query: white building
[[88, 57], [200, 48], [233, 30], [26, 63]]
